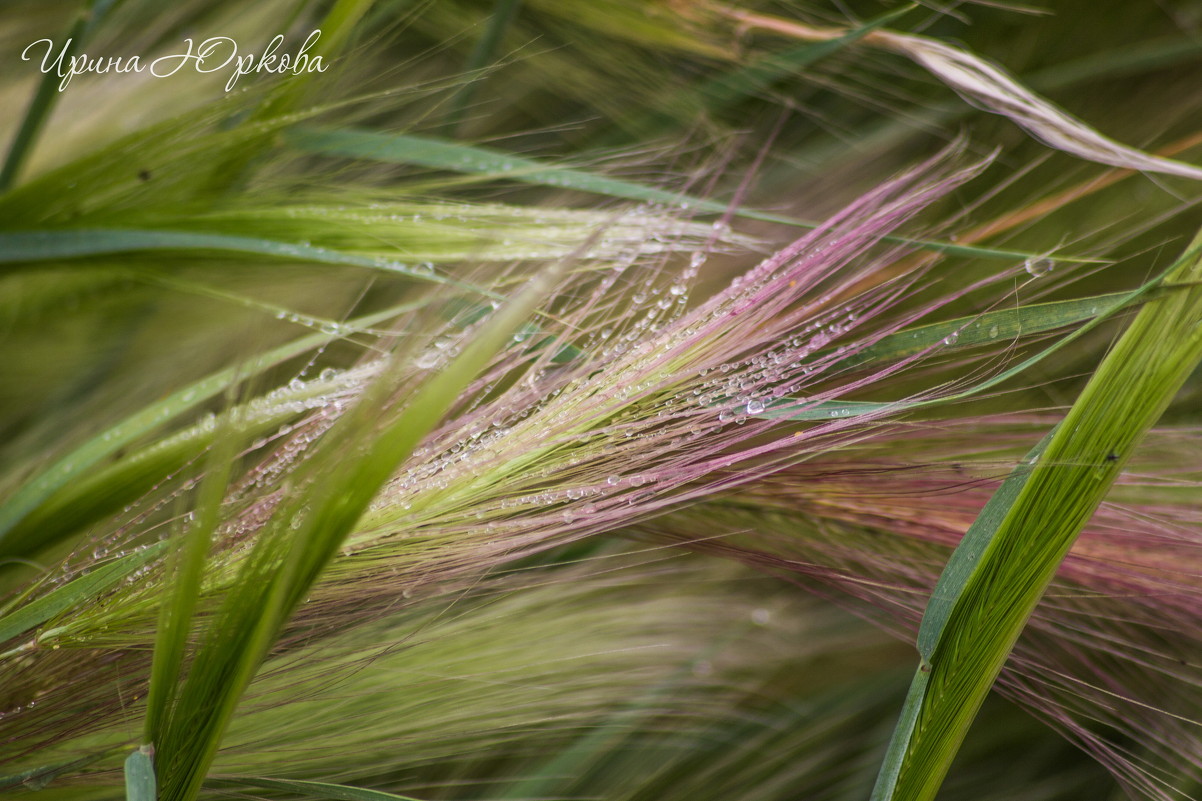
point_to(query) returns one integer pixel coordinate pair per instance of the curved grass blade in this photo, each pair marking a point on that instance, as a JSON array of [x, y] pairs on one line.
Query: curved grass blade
[[187, 574], [75, 592], [996, 326], [946, 593], [970, 639], [53, 245], [303, 535], [441, 154], [76, 465], [306, 789], [88, 17], [799, 409], [968, 553]]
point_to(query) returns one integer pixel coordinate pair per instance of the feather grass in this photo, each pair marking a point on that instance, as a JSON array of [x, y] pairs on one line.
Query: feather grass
[[332, 616]]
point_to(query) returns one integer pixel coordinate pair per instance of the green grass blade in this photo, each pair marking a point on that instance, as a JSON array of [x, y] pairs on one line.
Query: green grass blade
[[304, 534], [995, 326], [90, 15], [895, 754], [76, 466], [139, 776], [1127, 394], [38, 778], [793, 409], [55, 245], [441, 154], [187, 574], [968, 553], [946, 593], [1106, 305], [483, 54], [305, 789], [75, 592]]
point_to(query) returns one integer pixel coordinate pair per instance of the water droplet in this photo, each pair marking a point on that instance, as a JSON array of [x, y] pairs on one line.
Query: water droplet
[[426, 359], [1038, 267], [993, 331], [951, 338], [755, 406]]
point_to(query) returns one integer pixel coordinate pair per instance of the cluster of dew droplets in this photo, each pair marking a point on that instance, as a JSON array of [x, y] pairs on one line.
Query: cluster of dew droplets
[[312, 407], [307, 406], [606, 428], [486, 440], [744, 389], [652, 305]]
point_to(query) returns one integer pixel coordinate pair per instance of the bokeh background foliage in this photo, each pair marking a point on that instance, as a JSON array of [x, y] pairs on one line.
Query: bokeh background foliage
[[468, 421]]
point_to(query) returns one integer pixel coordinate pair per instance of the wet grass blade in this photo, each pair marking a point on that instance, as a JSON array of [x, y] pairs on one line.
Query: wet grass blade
[[75, 592], [441, 154], [74, 243], [1107, 305], [997, 326], [66, 473], [186, 576], [994, 591]]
